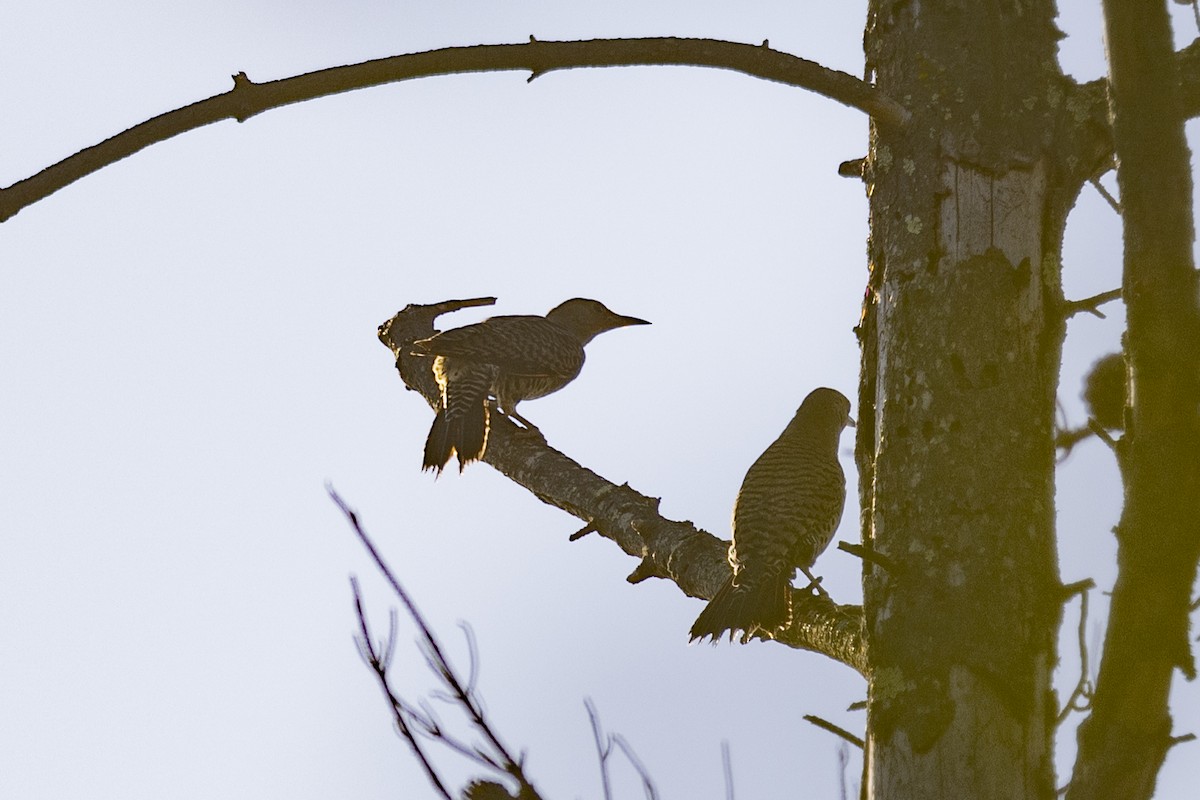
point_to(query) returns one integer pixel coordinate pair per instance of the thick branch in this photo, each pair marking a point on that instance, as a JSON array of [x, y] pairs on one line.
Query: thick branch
[[678, 551], [248, 98], [1124, 741]]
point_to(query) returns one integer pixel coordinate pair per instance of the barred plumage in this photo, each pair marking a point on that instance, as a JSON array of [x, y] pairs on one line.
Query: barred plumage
[[510, 359], [785, 516]]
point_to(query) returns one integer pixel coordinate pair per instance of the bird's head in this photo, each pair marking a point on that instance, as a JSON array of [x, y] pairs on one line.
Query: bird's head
[[586, 318], [825, 409]]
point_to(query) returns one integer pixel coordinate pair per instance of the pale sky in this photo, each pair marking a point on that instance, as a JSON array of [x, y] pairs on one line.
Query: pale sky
[[188, 344]]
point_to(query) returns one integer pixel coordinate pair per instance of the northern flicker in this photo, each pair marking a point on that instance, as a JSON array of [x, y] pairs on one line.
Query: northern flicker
[[784, 517], [508, 359]]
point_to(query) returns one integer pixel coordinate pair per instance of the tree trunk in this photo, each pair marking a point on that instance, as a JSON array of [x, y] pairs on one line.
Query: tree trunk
[[961, 336], [1124, 741]]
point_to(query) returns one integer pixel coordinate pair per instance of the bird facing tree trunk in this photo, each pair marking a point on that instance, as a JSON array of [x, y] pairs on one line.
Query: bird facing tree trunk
[[784, 517]]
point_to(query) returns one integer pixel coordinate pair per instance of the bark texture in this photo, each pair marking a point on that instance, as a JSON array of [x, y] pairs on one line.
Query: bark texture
[[961, 336]]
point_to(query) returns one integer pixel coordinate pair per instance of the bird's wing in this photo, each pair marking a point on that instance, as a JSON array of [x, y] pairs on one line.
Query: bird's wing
[[528, 346]]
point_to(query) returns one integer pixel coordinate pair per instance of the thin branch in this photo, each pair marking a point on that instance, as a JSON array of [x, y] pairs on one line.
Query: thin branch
[[693, 559], [503, 760], [427, 720], [603, 748], [1081, 697], [1113, 203], [825, 724], [727, 768], [1090, 304], [1187, 737], [378, 663], [1104, 436], [473, 658], [871, 556], [843, 756], [248, 98], [1066, 440], [1078, 587], [647, 781], [582, 532]]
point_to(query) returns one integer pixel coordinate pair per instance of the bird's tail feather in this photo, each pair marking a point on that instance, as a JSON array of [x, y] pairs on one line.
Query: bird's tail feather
[[471, 432], [461, 428], [438, 446], [747, 607]]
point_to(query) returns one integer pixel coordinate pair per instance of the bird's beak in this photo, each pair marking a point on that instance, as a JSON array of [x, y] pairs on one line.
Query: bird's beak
[[850, 422], [623, 321]]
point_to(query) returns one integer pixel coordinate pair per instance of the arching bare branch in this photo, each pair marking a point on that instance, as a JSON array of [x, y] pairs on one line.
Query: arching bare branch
[[248, 98]]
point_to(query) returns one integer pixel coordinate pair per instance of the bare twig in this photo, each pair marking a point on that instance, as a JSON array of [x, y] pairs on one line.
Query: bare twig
[[1060, 415], [727, 768], [1081, 696], [647, 782], [582, 532], [1078, 587], [843, 756], [1090, 304], [1113, 203], [854, 168], [1066, 440], [377, 659], [604, 749], [473, 655], [872, 556], [248, 98], [825, 724], [497, 755], [1103, 435]]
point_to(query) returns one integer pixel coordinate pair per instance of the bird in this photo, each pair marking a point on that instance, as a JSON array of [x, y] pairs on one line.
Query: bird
[[502, 361], [785, 514]]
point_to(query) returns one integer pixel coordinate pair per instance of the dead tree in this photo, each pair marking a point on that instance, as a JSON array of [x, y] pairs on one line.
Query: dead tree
[[979, 147]]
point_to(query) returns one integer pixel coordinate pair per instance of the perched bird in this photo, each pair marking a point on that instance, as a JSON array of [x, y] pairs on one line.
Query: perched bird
[[784, 517], [510, 359]]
